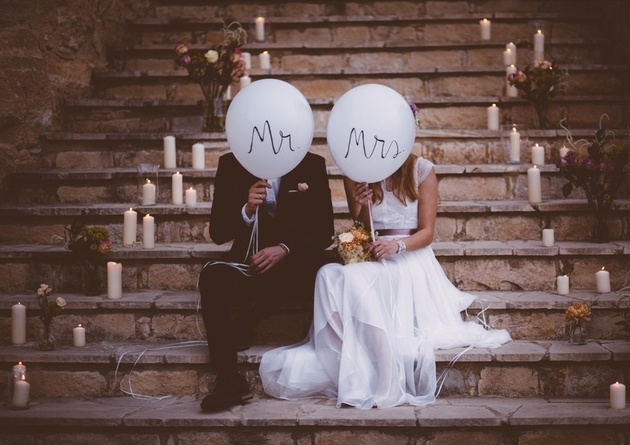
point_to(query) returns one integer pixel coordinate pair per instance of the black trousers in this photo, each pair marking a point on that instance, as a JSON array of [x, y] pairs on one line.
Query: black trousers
[[232, 301]]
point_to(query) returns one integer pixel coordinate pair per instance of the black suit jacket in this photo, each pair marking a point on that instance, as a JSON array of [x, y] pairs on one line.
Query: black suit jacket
[[303, 221]]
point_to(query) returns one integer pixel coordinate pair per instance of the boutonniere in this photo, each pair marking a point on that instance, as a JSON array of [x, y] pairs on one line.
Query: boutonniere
[[301, 187]]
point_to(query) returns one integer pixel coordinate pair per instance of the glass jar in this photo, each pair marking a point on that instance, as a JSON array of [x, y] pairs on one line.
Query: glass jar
[[18, 389]]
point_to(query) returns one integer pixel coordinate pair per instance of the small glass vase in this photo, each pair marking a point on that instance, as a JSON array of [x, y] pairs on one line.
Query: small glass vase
[[47, 341], [213, 120], [18, 388], [576, 331], [91, 278], [541, 115], [601, 231]]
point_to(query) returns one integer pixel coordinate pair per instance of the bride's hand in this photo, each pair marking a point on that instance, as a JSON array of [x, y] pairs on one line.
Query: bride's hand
[[362, 194], [382, 248]]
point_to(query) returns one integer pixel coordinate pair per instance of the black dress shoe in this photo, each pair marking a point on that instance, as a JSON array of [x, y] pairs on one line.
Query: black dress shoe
[[228, 392], [243, 339]]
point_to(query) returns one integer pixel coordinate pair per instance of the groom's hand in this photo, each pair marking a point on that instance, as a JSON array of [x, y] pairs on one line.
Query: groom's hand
[[266, 259]]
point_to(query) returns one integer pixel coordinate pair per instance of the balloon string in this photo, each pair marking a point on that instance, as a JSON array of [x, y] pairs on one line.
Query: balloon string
[[371, 219]]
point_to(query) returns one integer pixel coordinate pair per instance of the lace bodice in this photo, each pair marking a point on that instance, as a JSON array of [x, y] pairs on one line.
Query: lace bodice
[[393, 214]]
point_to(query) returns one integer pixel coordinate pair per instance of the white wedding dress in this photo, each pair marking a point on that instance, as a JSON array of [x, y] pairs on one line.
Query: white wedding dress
[[376, 325]]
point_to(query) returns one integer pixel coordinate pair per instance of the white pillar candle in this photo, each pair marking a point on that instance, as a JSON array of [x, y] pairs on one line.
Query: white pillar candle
[[538, 155], [493, 117], [148, 193], [260, 29], [602, 278], [244, 81], [508, 57], [510, 90], [539, 46], [534, 186], [191, 197], [18, 324], [228, 93], [617, 396], [247, 58], [21, 394], [562, 285], [512, 47], [563, 151], [78, 336], [177, 188], [169, 152], [265, 60], [515, 146], [130, 228], [199, 156], [148, 232], [485, 29], [114, 280], [548, 239]]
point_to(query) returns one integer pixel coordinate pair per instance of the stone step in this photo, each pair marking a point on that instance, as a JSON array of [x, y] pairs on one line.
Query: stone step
[[154, 316], [529, 369], [485, 182], [471, 265], [480, 220], [496, 420], [131, 115]]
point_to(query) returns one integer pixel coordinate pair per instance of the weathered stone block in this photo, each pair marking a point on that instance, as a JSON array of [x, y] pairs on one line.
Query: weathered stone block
[[80, 438], [80, 384], [159, 383], [177, 326], [509, 382]]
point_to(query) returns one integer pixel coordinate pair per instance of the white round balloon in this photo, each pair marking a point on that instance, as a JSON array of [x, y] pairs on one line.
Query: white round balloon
[[370, 132], [269, 126]]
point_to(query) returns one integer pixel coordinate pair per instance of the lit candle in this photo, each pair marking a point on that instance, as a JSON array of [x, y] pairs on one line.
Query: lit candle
[[260, 29], [191, 197], [21, 391], [169, 152], [533, 184], [617, 396], [114, 280], [562, 285], [510, 90], [129, 228], [18, 324], [547, 238], [512, 47], [485, 29], [493, 117], [78, 336], [148, 193], [177, 188], [247, 58], [199, 156], [539, 46], [244, 81], [265, 60], [515, 146], [563, 151], [508, 57], [538, 155], [603, 281], [148, 232]]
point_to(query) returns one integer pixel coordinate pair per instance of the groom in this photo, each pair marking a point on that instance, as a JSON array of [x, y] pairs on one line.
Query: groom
[[294, 217]]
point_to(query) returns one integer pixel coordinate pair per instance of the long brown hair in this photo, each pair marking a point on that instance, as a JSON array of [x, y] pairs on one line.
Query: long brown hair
[[402, 182]]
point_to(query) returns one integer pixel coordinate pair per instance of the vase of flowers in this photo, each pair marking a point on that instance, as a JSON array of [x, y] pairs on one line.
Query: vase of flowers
[[91, 244], [214, 70], [576, 317], [539, 82], [353, 244], [48, 310], [600, 167]]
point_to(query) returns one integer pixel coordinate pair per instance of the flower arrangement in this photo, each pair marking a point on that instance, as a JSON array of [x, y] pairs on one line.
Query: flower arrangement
[[48, 310], [539, 83], [92, 244], [353, 245], [576, 315], [416, 113], [215, 70], [600, 167]]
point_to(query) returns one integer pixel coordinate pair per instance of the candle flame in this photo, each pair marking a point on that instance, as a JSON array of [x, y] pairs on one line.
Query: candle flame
[[484, 20], [602, 268], [539, 31], [79, 325], [19, 363], [494, 105], [148, 181], [514, 129]]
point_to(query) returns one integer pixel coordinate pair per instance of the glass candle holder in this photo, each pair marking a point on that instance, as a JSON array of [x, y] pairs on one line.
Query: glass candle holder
[[18, 389], [147, 183]]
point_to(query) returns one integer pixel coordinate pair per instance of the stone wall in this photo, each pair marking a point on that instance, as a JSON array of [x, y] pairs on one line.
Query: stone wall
[[48, 49]]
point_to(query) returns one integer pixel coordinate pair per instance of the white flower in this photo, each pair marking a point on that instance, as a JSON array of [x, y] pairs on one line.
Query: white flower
[[346, 237], [44, 290], [211, 56], [60, 302]]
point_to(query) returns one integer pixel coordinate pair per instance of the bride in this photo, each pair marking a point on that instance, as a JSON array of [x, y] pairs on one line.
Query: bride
[[376, 324]]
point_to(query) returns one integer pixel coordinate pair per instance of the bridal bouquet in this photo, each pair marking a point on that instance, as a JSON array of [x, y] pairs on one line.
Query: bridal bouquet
[[353, 245]]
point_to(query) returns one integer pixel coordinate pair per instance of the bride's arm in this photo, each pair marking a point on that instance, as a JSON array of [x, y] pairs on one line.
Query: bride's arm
[[427, 213], [358, 195]]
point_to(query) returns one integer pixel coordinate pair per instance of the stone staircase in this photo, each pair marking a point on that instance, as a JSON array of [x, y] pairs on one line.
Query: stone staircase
[[538, 389]]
